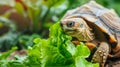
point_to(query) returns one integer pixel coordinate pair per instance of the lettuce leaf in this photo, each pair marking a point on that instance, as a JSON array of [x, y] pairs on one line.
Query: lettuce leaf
[[56, 51]]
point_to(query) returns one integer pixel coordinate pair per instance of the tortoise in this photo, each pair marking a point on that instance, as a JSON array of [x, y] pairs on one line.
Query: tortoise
[[96, 26]]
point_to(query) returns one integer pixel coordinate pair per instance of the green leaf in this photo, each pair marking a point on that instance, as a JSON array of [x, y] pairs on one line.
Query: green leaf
[[34, 15], [20, 9], [56, 51], [37, 40], [82, 51], [27, 40], [6, 14], [6, 54], [16, 64], [51, 3], [1, 24]]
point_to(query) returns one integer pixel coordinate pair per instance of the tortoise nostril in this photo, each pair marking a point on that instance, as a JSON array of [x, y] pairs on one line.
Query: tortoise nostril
[[70, 24], [81, 25]]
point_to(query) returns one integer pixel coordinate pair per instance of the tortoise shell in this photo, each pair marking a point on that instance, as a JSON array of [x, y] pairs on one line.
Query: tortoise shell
[[96, 16], [92, 21]]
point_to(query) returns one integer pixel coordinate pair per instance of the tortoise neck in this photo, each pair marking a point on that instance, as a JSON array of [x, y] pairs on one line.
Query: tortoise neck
[[85, 35]]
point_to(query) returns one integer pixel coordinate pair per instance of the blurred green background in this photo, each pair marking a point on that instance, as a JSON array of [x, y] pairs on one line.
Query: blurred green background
[[23, 20]]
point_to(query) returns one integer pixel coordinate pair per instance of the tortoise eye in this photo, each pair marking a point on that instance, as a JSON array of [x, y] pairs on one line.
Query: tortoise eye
[[70, 24]]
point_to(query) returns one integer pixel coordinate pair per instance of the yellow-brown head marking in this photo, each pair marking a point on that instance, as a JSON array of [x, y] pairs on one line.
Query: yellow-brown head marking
[[77, 27]]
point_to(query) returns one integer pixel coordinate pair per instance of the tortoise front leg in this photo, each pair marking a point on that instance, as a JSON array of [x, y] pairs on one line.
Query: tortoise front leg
[[100, 56]]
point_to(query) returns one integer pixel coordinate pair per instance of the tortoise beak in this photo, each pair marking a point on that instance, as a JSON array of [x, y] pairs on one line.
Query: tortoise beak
[[69, 30], [61, 24]]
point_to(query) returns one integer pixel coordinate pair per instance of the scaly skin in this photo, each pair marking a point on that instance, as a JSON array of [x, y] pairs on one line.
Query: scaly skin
[[101, 54], [98, 27], [83, 33]]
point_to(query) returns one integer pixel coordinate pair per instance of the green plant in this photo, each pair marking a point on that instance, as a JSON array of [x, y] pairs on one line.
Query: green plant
[[39, 12], [33, 20], [57, 50], [10, 36], [27, 40]]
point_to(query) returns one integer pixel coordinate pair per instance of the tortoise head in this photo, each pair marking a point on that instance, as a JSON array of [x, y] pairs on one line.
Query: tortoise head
[[78, 28]]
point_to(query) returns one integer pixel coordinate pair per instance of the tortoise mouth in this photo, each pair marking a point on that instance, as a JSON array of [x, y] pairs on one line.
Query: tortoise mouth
[[70, 30]]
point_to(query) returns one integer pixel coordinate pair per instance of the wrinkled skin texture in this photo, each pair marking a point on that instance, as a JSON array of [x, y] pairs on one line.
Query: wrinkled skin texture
[[98, 29], [77, 29]]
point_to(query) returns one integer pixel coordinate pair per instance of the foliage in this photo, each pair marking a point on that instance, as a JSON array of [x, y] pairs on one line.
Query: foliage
[[27, 40], [36, 16], [114, 4], [9, 37], [57, 50], [6, 54], [32, 17], [38, 12]]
